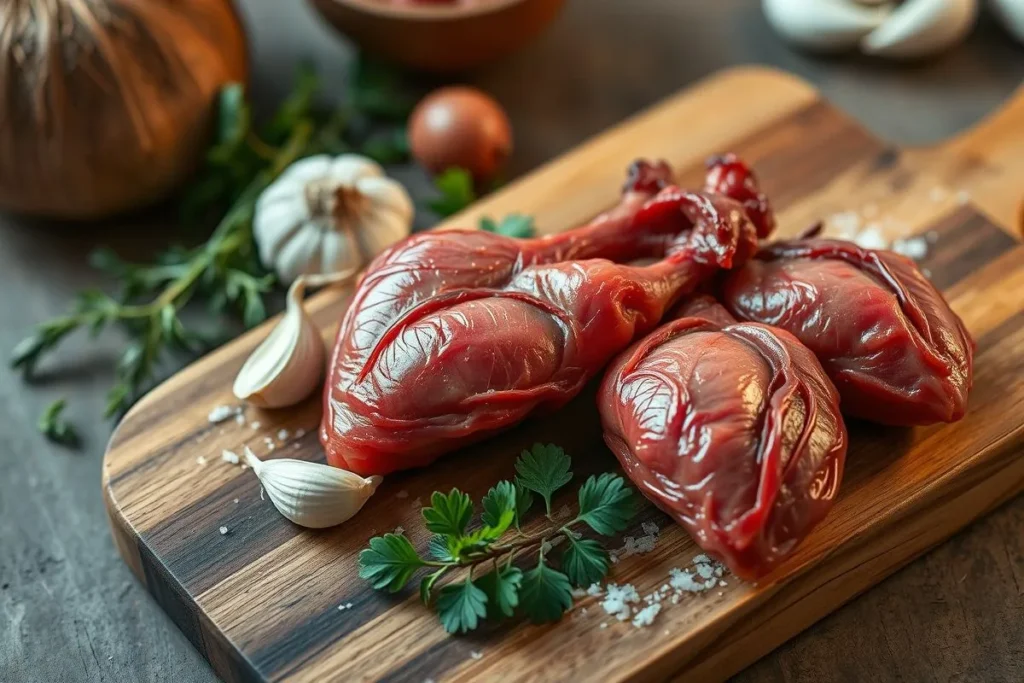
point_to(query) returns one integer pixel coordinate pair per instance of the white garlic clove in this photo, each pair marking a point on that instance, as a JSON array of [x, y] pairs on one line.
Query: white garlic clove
[[1010, 14], [824, 25], [920, 28], [288, 365], [311, 494]]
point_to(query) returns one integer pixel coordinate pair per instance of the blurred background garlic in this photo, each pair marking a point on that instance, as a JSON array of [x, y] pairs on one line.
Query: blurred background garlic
[[912, 29], [824, 25], [1011, 14], [328, 215], [921, 28]]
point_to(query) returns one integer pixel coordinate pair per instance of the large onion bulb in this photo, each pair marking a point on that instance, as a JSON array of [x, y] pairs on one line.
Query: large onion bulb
[[106, 105]]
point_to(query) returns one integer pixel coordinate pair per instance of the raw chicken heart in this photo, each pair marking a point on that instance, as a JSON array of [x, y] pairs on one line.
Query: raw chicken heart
[[732, 429], [894, 349], [455, 335]]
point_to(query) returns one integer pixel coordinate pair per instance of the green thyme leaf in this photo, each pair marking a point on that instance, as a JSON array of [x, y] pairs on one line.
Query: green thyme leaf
[[502, 589], [448, 514], [53, 426], [606, 504], [545, 593], [456, 192], [460, 606], [585, 561], [389, 562], [515, 225], [543, 469]]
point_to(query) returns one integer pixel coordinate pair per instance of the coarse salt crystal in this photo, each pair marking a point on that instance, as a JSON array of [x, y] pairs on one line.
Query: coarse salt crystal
[[228, 456], [200, 460], [706, 571], [684, 581], [348, 605], [645, 617], [914, 247], [341, 608], [255, 425], [271, 446], [583, 610], [240, 419], [221, 413], [722, 583], [650, 528], [399, 530], [845, 224], [701, 558], [604, 624], [223, 531], [871, 237], [618, 599], [594, 589], [476, 655], [235, 501], [282, 435]]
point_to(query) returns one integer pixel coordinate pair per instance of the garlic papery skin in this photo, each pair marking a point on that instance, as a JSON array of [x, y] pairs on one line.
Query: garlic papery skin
[[1010, 14], [310, 494], [328, 214], [289, 364], [824, 25], [921, 28]]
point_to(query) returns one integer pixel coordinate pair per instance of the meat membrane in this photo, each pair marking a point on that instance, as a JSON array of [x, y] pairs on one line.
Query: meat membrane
[[732, 429], [888, 340], [454, 335]]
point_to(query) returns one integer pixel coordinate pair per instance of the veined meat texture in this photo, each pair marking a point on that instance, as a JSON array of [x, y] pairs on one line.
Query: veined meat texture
[[732, 429], [455, 335], [888, 340]]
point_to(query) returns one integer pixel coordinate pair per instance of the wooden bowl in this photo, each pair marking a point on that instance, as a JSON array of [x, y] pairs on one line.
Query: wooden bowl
[[439, 38]]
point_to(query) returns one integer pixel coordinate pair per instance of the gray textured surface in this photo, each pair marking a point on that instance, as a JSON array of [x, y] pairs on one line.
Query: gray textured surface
[[69, 609]]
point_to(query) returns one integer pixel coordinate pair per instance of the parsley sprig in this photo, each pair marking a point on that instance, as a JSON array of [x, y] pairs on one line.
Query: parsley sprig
[[489, 584]]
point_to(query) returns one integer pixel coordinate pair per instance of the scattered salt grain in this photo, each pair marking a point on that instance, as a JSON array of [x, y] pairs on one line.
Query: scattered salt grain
[[701, 558], [476, 655], [230, 457], [283, 434], [914, 247], [221, 413], [618, 600], [650, 528], [240, 419], [594, 589], [255, 425], [200, 460], [235, 501], [299, 433], [348, 605], [720, 593], [665, 632], [402, 494], [399, 530], [223, 531], [845, 224], [722, 583], [604, 624], [683, 580], [583, 610], [706, 571], [870, 237], [645, 617]]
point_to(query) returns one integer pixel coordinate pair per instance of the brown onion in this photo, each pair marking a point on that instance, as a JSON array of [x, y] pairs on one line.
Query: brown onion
[[107, 105], [460, 127]]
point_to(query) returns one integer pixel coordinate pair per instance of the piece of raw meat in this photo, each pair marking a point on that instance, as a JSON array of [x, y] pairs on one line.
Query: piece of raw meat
[[452, 336], [732, 429], [894, 349]]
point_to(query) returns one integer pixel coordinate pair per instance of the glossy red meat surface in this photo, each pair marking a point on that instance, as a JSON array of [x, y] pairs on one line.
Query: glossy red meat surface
[[732, 429], [455, 335], [888, 340]]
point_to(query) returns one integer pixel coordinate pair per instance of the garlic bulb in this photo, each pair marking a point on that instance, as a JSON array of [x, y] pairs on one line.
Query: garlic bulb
[[288, 365], [108, 105], [824, 25], [1011, 14], [919, 28], [328, 214], [310, 494]]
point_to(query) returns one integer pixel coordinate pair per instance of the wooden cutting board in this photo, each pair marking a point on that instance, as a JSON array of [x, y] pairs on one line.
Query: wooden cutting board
[[261, 601]]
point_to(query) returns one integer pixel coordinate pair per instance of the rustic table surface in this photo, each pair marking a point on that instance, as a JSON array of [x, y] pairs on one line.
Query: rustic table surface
[[69, 609]]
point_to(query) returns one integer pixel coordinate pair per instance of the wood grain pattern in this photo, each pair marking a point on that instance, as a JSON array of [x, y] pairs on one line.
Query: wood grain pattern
[[261, 602]]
